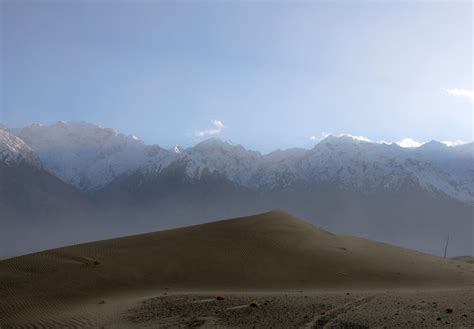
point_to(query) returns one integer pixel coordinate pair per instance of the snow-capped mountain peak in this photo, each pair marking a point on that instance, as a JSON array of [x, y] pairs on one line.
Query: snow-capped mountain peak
[[86, 155], [234, 161], [15, 151], [90, 157]]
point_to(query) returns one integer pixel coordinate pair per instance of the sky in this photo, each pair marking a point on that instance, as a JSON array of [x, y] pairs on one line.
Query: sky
[[267, 74]]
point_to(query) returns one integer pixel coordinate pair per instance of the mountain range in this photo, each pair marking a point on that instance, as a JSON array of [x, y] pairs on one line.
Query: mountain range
[[76, 182]]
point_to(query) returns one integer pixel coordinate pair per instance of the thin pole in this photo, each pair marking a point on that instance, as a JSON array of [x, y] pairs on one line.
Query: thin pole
[[446, 247]]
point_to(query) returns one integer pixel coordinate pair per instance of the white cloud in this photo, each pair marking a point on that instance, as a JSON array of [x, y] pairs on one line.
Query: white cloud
[[216, 128], [358, 138], [454, 143], [462, 92], [320, 138], [408, 142]]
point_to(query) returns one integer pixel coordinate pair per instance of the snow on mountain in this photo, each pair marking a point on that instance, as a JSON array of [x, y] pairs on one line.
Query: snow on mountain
[[234, 161], [353, 162], [343, 160], [370, 166], [89, 156], [15, 151], [177, 149], [284, 155]]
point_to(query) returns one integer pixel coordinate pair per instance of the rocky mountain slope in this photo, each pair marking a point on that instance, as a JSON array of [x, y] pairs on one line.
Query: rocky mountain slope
[[14, 151], [90, 157]]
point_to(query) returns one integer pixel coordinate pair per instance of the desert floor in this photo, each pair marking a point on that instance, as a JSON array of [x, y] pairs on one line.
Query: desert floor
[[450, 308]]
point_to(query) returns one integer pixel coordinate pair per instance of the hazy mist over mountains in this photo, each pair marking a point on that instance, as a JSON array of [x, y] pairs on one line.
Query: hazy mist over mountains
[[270, 164], [77, 182]]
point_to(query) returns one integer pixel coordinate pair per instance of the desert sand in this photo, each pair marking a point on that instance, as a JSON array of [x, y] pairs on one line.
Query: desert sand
[[295, 274]]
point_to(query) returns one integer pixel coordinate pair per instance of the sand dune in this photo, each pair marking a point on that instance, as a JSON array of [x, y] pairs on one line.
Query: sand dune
[[268, 252]]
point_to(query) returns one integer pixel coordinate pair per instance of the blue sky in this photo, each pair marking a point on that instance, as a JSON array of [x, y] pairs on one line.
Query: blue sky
[[266, 75]]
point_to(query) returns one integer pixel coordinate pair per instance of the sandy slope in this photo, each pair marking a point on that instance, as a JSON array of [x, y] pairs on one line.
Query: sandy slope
[[272, 251]]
